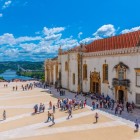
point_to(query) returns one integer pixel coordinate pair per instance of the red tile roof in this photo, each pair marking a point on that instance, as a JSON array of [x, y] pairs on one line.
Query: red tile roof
[[127, 40]]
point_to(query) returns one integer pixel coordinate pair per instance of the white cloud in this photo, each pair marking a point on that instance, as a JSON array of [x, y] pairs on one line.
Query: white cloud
[[53, 37], [6, 4], [11, 52], [41, 46], [52, 41], [67, 43], [51, 31], [105, 31], [79, 35], [27, 38], [9, 39], [48, 46], [130, 30], [1, 15], [89, 39], [46, 43], [28, 47]]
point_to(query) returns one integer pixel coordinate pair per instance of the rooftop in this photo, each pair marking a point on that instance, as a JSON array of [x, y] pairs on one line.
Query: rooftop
[[127, 40]]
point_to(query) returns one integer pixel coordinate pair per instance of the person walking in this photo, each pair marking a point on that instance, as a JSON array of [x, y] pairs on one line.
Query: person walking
[[4, 115], [16, 88], [136, 125], [53, 108], [82, 104], [120, 110], [49, 117], [43, 107], [93, 105], [116, 110], [96, 117], [40, 108], [52, 115], [85, 102], [70, 113], [36, 108], [50, 105], [58, 103]]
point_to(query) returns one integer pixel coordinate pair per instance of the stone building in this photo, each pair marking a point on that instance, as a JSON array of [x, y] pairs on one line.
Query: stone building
[[110, 66], [51, 70]]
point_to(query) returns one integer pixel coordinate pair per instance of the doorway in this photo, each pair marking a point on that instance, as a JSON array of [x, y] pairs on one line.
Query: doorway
[[121, 96], [95, 82], [95, 87]]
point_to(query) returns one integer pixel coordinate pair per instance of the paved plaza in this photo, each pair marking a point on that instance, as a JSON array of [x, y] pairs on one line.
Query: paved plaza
[[21, 124]]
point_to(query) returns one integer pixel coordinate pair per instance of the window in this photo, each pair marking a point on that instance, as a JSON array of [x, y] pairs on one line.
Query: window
[[121, 74], [66, 66], [73, 77], [138, 79], [85, 71], [56, 71], [137, 98], [105, 73]]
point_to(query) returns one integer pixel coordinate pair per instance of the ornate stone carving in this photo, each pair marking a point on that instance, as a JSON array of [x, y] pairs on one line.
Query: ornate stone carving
[[95, 82], [132, 50]]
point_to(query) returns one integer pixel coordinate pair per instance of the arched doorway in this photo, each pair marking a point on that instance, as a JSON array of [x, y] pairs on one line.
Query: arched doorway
[[95, 82], [121, 96]]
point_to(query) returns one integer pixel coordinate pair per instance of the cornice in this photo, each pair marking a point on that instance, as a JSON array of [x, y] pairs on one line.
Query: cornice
[[132, 50]]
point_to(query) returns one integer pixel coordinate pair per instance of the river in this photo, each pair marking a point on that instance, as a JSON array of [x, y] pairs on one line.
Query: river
[[10, 74]]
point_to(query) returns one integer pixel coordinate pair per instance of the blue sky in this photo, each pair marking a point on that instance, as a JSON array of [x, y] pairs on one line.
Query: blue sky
[[33, 30]]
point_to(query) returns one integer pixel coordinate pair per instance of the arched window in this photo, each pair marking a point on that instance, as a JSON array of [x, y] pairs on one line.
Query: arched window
[[105, 73], [66, 66], [73, 78], [85, 71]]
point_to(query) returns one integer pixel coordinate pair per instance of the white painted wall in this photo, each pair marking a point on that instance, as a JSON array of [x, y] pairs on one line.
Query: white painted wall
[[73, 68], [131, 60], [64, 73], [54, 74]]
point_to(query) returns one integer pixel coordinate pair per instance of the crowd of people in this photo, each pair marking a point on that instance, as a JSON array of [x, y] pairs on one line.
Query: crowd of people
[[5, 85], [39, 108], [61, 92], [15, 88], [68, 105], [78, 102], [28, 86], [108, 103]]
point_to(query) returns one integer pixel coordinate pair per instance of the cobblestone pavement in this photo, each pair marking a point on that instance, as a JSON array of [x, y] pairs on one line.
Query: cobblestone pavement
[[128, 116]]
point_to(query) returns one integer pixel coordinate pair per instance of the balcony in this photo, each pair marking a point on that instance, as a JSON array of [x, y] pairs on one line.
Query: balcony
[[117, 82]]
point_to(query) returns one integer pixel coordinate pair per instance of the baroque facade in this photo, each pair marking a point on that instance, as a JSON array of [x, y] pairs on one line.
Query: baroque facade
[[110, 66]]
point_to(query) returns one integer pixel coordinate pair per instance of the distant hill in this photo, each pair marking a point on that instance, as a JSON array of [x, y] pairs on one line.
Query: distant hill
[[22, 64]]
